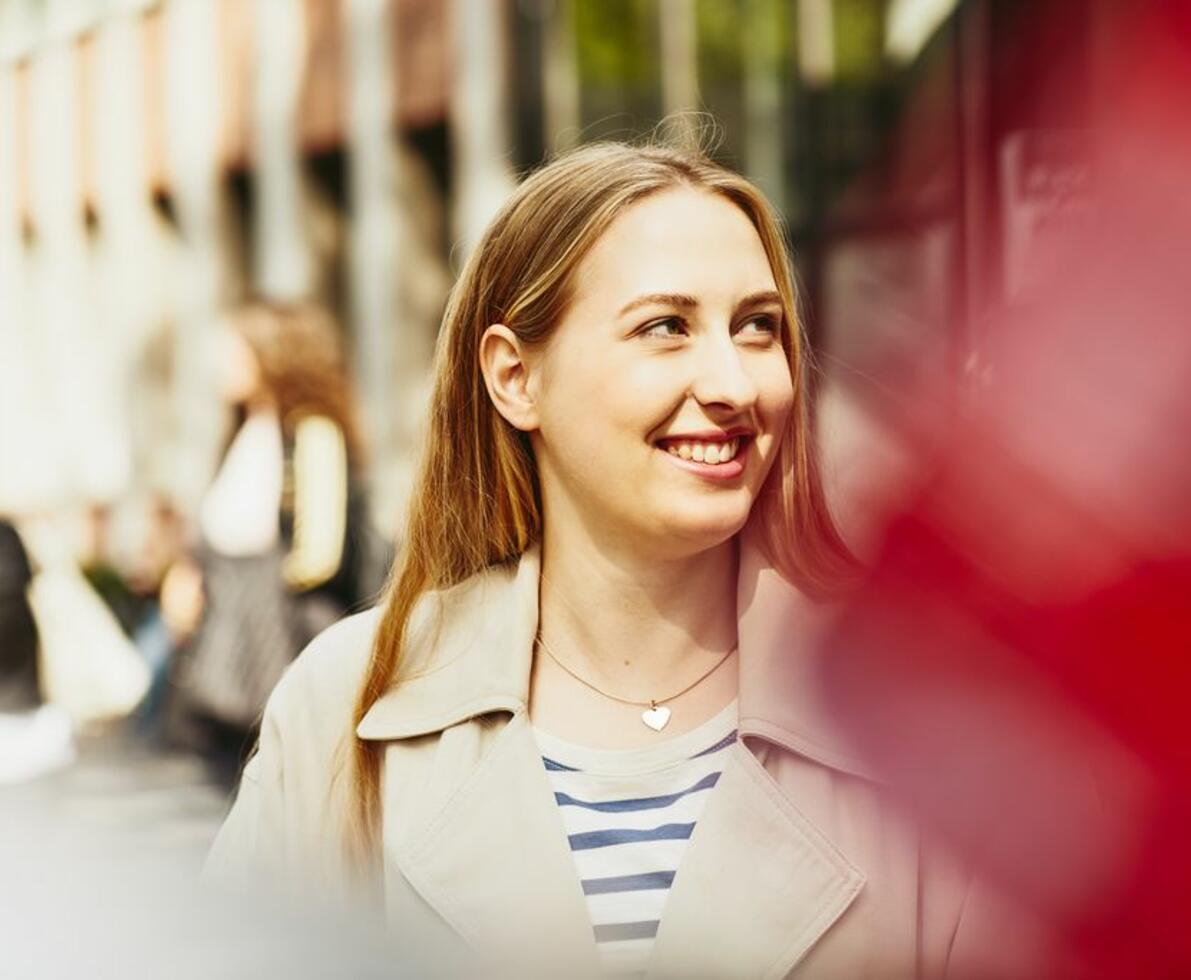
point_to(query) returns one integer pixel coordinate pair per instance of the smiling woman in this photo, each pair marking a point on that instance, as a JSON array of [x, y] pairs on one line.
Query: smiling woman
[[586, 650]]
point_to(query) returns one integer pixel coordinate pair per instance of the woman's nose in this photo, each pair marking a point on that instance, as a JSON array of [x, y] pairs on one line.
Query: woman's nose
[[723, 377]]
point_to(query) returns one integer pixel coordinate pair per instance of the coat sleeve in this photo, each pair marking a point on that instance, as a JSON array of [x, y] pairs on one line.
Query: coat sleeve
[[970, 929], [999, 939], [252, 840], [286, 827]]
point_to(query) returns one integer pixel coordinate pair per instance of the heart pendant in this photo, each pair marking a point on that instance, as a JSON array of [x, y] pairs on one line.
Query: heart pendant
[[656, 718]]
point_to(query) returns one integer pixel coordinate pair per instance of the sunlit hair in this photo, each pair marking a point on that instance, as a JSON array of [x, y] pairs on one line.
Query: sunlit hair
[[301, 359], [477, 500]]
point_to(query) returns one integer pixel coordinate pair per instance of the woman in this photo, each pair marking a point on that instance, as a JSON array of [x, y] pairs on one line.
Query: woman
[[280, 528], [20, 686], [35, 738], [579, 735]]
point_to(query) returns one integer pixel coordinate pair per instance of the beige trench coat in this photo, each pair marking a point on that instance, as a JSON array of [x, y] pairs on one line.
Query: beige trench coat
[[797, 867]]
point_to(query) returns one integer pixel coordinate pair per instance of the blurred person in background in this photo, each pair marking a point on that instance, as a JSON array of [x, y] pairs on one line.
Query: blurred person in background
[[34, 737], [572, 735], [142, 542], [282, 530]]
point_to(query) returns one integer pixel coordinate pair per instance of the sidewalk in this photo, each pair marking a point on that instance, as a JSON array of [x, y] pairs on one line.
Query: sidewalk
[[120, 786]]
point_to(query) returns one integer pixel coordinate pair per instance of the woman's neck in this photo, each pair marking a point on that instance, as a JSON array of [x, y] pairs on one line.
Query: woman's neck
[[260, 403], [633, 622]]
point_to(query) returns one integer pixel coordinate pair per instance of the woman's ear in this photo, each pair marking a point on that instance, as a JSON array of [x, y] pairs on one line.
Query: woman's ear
[[506, 373]]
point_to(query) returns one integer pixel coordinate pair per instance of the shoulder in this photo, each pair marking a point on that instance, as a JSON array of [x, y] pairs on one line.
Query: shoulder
[[321, 685], [335, 660], [316, 428], [465, 618], [460, 639], [292, 800], [330, 669]]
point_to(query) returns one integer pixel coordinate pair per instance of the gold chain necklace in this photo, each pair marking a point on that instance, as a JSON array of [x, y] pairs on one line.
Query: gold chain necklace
[[656, 715]]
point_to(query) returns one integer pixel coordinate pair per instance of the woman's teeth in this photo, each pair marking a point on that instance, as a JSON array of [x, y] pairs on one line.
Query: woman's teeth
[[705, 452]]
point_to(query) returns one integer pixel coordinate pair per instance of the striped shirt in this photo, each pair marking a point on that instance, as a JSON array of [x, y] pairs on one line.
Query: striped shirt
[[629, 814]]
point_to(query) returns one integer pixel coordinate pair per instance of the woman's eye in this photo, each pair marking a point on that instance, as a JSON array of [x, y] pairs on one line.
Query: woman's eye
[[764, 324], [670, 327]]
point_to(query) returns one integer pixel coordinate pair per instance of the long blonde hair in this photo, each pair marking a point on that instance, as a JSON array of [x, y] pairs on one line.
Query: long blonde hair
[[477, 500], [300, 354]]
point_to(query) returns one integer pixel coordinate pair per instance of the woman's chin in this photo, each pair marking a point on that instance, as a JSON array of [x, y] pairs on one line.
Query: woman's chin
[[692, 534]]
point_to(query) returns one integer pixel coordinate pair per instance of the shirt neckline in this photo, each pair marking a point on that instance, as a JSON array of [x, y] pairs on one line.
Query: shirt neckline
[[648, 758]]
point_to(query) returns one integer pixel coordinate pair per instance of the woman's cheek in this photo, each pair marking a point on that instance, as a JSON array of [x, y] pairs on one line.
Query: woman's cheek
[[776, 398], [775, 404]]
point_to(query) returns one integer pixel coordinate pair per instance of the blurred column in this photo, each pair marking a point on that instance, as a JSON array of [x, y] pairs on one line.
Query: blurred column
[[22, 485], [15, 364], [479, 116], [282, 259], [909, 25], [129, 278], [816, 41], [121, 184], [74, 363], [192, 108], [680, 74], [760, 56], [560, 76], [10, 244], [374, 248]]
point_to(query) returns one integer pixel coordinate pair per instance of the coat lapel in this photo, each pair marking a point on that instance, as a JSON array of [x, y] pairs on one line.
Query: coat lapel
[[779, 631], [757, 876], [483, 844], [496, 865], [759, 884]]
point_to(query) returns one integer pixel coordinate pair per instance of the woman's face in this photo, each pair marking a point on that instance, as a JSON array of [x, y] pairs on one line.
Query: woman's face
[[662, 395], [239, 371]]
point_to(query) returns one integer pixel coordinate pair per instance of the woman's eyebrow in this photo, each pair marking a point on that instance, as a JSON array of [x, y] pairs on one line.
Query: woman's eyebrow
[[684, 301], [661, 299], [756, 299]]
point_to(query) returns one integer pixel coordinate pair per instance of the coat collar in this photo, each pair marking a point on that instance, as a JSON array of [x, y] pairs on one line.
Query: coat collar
[[759, 886], [493, 860], [470, 653]]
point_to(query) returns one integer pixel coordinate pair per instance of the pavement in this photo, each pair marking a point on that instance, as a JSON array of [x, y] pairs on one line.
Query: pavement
[[99, 878], [120, 785]]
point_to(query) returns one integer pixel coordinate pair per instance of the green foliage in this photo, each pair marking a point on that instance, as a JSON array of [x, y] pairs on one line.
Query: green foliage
[[859, 39], [770, 32], [731, 31], [718, 26], [618, 43]]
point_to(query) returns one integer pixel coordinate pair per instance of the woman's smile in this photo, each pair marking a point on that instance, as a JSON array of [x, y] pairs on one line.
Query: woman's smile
[[715, 456]]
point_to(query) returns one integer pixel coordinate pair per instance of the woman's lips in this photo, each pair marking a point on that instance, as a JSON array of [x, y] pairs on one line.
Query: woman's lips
[[728, 470]]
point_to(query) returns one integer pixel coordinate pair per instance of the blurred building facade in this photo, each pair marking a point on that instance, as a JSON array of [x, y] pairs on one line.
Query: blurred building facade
[[162, 159], [161, 162]]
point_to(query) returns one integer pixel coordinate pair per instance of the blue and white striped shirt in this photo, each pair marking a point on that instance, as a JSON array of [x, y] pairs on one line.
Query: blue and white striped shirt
[[628, 815]]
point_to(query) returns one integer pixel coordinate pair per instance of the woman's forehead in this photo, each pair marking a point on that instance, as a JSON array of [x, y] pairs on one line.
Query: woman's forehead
[[685, 241]]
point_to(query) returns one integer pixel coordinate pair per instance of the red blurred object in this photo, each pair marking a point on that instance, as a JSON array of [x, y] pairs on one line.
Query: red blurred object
[[1018, 663]]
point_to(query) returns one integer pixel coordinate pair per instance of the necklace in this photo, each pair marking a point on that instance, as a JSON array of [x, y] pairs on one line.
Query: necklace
[[656, 715]]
